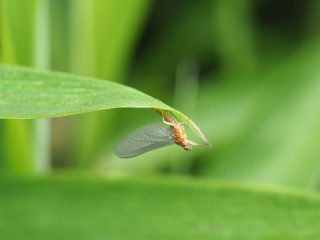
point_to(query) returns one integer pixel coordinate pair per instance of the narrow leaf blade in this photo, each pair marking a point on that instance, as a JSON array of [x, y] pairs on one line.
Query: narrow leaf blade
[[26, 93]]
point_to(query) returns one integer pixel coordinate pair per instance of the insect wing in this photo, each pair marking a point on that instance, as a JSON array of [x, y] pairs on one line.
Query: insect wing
[[143, 140]]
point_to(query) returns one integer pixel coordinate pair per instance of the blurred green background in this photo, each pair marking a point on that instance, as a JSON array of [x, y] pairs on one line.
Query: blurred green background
[[247, 72]]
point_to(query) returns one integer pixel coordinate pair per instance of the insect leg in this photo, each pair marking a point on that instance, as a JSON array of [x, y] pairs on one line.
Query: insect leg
[[194, 143], [168, 123]]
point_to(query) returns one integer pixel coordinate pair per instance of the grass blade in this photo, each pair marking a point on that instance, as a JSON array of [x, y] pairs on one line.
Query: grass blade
[[17, 46], [26, 93]]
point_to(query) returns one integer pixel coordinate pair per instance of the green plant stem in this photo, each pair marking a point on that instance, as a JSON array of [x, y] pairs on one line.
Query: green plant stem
[[17, 26], [41, 61]]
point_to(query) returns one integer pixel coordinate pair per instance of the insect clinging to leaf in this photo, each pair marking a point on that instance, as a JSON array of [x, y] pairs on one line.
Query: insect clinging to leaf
[[154, 136]]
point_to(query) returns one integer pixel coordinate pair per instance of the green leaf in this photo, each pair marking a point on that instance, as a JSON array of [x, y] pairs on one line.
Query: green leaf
[[20, 45], [26, 93], [76, 208]]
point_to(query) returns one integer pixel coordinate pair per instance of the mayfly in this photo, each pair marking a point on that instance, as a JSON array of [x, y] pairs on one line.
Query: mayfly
[[154, 136]]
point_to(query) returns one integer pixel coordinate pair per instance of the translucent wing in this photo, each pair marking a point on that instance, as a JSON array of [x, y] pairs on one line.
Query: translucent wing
[[144, 139]]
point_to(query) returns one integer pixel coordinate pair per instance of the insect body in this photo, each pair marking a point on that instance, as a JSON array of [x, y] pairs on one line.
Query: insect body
[[154, 136], [179, 134]]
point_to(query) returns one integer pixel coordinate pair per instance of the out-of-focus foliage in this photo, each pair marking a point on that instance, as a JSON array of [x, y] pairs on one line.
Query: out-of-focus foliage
[[247, 72], [249, 75], [153, 209], [257, 86], [18, 46]]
